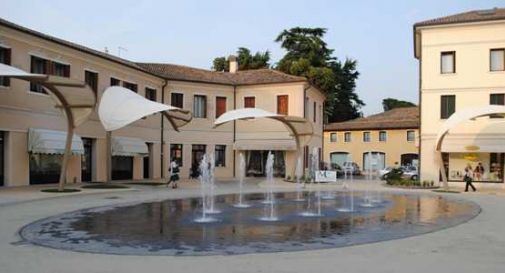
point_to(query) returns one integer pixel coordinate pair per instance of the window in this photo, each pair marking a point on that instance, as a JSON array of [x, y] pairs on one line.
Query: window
[[200, 106], [347, 137], [176, 100], [151, 94], [131, 86], [497, 59], [115, 82], [59, 69], [411, 136], [383, 136], [333, 137], [249, 102], [197, 153], [496, 99], [366, 136], [38, 66], [314, 114], [220, 153], [5, 58], [448, 62], [176, 153], [447, 106], [220, 106], [91, 79], [282, 104]]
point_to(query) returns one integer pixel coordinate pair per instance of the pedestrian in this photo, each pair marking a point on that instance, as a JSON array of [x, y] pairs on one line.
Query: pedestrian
[[174, 174], [468, 178], [479, 171]]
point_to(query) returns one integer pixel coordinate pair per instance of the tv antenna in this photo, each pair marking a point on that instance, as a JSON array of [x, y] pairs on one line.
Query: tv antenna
[[119, 49]]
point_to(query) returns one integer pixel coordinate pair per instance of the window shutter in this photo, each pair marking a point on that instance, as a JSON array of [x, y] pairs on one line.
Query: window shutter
[[282, 104], [220, 106]]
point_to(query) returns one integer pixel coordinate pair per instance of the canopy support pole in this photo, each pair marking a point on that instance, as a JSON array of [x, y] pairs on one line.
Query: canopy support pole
[[108, 144], [442, 170], [66, 156]]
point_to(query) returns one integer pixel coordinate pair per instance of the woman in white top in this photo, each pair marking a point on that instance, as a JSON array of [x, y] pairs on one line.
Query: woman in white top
[[174, 174]]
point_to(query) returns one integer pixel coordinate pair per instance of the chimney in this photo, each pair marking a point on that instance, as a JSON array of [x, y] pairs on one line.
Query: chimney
[[233, 64]]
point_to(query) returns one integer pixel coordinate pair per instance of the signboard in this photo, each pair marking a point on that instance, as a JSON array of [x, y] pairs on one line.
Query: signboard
[[326, 176]]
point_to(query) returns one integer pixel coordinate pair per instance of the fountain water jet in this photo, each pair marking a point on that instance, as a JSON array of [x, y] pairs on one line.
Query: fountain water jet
[[241, 176], [270, 215], [299, 174], [211, 208], [314, 166], [348, 189], [367, 199], [204, 187]]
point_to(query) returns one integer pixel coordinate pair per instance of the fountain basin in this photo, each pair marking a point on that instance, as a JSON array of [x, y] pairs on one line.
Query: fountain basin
[[168, 227]]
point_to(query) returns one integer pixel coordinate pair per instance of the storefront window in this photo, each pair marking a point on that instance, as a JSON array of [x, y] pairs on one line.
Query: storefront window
[[220, 155], [492, 164], [122, 167], [176, 153], [45, 168]]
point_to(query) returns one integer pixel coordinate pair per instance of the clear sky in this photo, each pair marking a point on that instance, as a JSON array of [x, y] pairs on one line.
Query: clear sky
[[376, 33]]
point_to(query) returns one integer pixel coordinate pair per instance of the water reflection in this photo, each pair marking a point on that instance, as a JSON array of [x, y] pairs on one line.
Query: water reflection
[[167, 227]]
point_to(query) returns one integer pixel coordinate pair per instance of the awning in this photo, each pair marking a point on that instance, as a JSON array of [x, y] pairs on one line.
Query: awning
[[300, 128], [129, 146], [70, 95], [120, 106], [265, 145], [43, 141]]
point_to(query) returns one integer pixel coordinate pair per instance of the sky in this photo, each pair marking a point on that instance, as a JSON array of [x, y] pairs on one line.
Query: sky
[[378, 34]]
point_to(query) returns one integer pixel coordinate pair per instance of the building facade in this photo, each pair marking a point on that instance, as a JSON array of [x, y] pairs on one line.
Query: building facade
[[28, 117], [391, 137], [462, 66]]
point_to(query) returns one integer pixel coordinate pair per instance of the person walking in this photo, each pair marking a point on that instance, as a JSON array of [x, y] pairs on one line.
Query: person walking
[[174, 174], [468, 178], [479, 171]]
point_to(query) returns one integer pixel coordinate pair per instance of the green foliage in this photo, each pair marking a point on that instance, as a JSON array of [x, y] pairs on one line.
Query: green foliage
[[390, 103], [246, 60], [308, 55]]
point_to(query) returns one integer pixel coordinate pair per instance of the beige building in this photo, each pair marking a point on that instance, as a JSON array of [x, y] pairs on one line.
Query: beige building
[[29, 123], [391, 137], [461, 66]]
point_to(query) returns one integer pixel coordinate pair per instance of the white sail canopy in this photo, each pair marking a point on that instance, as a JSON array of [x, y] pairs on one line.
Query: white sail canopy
[[297, 126], [466, 115], [120, 106], [68, 94]]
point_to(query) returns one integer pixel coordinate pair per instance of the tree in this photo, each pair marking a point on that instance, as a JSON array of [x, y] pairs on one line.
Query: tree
[[308, 55], [390, 103], [246, 60]]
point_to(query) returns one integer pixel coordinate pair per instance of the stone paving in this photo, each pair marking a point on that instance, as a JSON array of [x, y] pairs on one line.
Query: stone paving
[[475, 246]]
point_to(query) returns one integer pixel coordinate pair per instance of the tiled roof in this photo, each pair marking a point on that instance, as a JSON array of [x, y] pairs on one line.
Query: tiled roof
[[398, 118], [466, 17], [185, 73], [72, 45], [171, 71]]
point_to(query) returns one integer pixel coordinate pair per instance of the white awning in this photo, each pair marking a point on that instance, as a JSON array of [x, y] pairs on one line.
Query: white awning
[[265, 145], [129, 146], [300, 128], [43, 141], [120, 106]]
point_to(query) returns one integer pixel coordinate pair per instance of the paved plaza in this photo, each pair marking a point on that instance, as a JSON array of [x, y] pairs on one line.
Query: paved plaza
[[475, 246]]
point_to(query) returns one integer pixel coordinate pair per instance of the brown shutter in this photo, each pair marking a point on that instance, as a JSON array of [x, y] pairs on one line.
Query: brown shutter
[[282, 104], [220, 106], [249, 102], [66, 71], [7, 81]]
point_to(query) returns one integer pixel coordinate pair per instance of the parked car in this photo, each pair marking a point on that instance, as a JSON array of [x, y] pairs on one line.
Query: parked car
[[383, 173], [352, 167], [408, 172]]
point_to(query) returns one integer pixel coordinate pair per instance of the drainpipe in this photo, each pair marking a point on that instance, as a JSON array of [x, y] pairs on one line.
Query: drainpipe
[[162, 134], [234, 128]]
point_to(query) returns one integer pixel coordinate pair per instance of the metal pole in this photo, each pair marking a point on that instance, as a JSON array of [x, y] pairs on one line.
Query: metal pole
[[108, 143], [66, 156]]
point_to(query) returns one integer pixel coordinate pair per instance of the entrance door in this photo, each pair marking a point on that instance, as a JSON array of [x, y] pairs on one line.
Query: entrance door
[[338, 158], [376, 162], [146, 160], [197, 153], [256, 161], [408, 159], [86, 160]]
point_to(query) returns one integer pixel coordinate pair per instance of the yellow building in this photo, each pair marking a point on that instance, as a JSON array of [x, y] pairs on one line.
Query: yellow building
[[391, 136], [461, 67], [27, 112]]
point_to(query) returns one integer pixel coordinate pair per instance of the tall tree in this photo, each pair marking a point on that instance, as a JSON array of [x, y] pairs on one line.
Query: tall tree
[[390, 103], [308, 55], [245, 59]]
